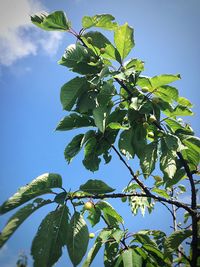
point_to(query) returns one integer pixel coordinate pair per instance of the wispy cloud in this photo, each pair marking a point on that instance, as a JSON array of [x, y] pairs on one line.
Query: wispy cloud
[[18, 37]]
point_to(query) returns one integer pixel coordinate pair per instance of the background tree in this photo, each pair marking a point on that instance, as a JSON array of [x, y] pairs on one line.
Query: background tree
[[136, 117]]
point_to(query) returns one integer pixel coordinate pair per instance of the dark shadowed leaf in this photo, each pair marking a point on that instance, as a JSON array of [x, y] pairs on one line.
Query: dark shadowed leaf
[[19, 217], [71, 90], [74, 121], [96, 187], [51, 237], [77, 238], [78, 59], [174, 240], [94, 216], [100, 240], [39, 186]]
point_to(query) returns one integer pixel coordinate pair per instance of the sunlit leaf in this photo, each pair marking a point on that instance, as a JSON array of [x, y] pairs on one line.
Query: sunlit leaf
[[148, 159], [56, 21], [110, 214], [100, 114], [182, 111], [167, 161], [161, 192], [104, 21], [100, 41], [125, 143], [164, 79], [124, 40], [39, 186]]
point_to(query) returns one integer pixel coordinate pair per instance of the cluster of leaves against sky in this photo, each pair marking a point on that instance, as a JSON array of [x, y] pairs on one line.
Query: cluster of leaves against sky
[[133, 116]]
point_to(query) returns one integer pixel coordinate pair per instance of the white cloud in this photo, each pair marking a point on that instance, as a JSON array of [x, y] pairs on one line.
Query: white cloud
[[18, 36]]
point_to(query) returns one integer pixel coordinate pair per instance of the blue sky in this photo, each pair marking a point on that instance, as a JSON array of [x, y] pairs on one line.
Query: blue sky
[[167, 38]]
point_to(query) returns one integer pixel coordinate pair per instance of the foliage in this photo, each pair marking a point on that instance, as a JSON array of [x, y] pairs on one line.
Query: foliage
[[134, 116]]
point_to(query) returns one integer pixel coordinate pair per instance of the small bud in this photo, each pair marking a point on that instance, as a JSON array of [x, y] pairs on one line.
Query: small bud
[[88, 205], [102, 50], [89, 40], [152, 118], [145, 90], [91, 235]]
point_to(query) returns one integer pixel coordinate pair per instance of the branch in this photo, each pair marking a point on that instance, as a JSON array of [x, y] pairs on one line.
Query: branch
[[120, 195]]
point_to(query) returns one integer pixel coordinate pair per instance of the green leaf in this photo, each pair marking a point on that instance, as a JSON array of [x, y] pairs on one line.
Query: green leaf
[[117, 126], [96, 187], [124, 40], [47, 245], [181, 111], [73, 147], [161, 192], [100, 240], [141, 203], [156, 253], [71, 90], [92, 253], [184, 102], [131, 258], [39, 186], [164, 79], [139, 139], [100, 114], [167, 93], [74, 121], [173, 241], [192, 157], [60, 198], [110, 214], [78, 59], [104, 21], [148, 159], [91, 160], [94, 216], [192, 142], [87, 102], [110, 253], [77, 238], [145, 82], [167, 161], [19, 217], [173, 142], [56, 21], [106, 93], [125, 143], [179, 175], [136, 64], [100, 41], [177, 127]]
